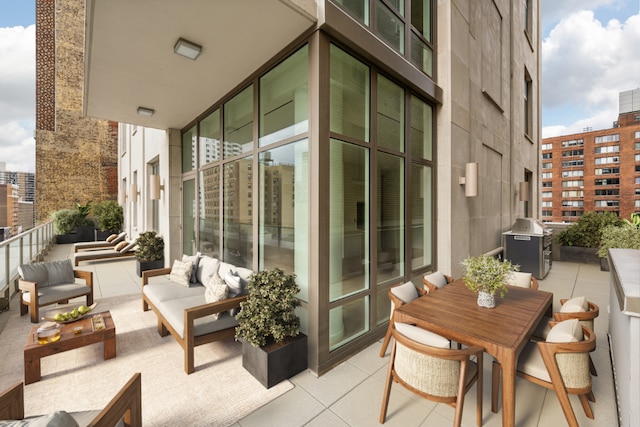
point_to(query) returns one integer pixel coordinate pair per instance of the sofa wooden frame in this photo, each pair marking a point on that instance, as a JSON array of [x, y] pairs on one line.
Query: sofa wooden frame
[[32, 287], [189, 341], [126, 405]]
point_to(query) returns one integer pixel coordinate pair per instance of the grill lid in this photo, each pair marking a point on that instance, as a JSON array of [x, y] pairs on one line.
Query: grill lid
[[530, 226]]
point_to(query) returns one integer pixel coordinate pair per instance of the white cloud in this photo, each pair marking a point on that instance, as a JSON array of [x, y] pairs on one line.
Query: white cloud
[[17, 98], [585, 65]]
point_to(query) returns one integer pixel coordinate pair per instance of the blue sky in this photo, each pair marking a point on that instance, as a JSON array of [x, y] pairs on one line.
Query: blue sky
[[590, 53]]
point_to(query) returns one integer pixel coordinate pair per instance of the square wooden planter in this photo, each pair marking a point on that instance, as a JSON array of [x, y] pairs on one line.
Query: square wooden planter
[[148, 265], [274, 363]]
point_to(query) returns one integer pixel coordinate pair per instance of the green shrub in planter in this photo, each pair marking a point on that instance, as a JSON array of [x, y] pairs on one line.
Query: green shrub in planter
[[587, 231], [64, 221], [150, 246], [110, 215], [626, 236], [268, 314]]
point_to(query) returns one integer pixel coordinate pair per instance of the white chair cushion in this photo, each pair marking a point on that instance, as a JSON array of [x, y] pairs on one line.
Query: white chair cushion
[[530, 362], [566, 331], [422, 335], [520, 279], [406, 292], [436, 278], [575, 305]]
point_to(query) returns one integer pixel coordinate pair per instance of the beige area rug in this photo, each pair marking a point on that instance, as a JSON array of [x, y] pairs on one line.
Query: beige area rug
[[219, 393]]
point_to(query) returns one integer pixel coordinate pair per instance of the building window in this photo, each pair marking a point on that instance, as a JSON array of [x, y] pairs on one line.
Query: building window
[[606, 160], [390, 115], [284, 99], [547, 213], [571, 153], [547, 175], [527, 17], [636, 135], [209, 215], [569, 174], [637, 204], [237, 221], [573, 193], [573, 203], [188, 216], [238, 123], [189, 143], [528, 100], [607, 171], [608, 192], [572, 163], [547, 165], [390, 25], [607, 149], [607, 181], [547, 156], [547, 146], [548, 204], [607, 203], [577, 183], [547, 194], [209, 137], [572, 213], [547, 184], [573, 143], [349, 92], [607, 138]]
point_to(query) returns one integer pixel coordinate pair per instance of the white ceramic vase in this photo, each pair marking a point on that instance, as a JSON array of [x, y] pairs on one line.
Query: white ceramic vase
[[486, 300]]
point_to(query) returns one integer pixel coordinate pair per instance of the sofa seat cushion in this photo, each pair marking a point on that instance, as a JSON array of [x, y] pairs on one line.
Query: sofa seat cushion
[[165, 290], [50, 294], [173, 312]]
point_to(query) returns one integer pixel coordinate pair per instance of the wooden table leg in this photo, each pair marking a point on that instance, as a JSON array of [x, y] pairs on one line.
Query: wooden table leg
[[508, 390], [110, 347], [32, 371]]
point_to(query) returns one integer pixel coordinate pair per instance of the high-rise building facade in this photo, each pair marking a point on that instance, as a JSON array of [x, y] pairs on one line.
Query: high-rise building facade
[[327, 138], [25, 182], [595, 171]]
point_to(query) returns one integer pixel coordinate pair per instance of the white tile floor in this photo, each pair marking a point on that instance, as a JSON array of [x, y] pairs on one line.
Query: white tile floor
[[351, 393]]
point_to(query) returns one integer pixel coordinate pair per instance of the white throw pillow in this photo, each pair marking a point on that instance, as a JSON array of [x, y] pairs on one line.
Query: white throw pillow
[[575, 305], [217, 290], [233, 280], [194, 259], [566, 331], [422, 335], [181, 273], [406, 292]]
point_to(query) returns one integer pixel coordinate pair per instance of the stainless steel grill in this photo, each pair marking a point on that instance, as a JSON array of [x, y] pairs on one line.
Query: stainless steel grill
[[528, 244]]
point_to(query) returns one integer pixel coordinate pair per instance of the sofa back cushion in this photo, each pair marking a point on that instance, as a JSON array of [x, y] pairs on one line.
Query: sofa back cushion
[[36, 272], [60, 272], [207, 267], [193, 259]]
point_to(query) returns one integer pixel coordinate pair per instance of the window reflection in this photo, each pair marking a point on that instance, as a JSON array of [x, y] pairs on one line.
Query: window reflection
[[237, 214]]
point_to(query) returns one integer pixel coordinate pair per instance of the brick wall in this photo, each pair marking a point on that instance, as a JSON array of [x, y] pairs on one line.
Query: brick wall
[[76, 156]]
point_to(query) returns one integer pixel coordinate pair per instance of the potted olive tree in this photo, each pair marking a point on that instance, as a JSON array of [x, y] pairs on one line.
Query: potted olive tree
[[487, 275], [273, 349], [110, 217], [149, 252]]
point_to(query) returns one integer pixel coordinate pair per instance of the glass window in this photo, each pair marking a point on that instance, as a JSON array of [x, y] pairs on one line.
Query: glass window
[[389, 26], [238, 123], [348, 219], [349, 95], [390, 211], [421, 129], [189, 150], [348, 321], [421, 55], [284, 204], [188, 216], [238, 222], [390, 114], [528, 110], [421, 216], [209, 220], [359, 8], [607, 138], [421, 17], [284, 104], [210, 138]]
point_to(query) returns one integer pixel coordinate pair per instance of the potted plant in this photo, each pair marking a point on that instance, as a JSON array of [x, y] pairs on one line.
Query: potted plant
[[626, 236], [487, 275], [109, 217], [580, 241], [84, 226], [72, 225], [273, 349], [149, 252]]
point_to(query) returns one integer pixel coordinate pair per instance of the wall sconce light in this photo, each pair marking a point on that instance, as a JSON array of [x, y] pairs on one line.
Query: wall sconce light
[[155, 187], [134, 193], [187, 49], [147, 112], [122, 197], [523, 192], [470, 180]]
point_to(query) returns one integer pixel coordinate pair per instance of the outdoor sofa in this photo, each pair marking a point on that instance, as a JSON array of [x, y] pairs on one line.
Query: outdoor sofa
[[182, 308]]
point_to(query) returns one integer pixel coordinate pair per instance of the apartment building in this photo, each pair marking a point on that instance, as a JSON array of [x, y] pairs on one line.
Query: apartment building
[[326, 137], [25, 194], [595, 171]]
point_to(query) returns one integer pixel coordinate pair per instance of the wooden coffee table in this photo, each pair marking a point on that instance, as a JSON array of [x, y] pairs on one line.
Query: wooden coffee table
[[33, 351]]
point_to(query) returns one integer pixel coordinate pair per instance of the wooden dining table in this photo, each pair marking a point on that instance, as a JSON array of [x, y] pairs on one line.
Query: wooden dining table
[[503, 331]]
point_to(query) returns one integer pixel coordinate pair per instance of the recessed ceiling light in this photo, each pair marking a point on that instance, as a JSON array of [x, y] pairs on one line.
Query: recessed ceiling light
[[187, 49]]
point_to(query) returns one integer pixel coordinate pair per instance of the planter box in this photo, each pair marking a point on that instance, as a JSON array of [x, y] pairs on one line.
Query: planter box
[[274, 363], [604, 264], [86, 234], [148, 265], [62, 239], [579, 254]]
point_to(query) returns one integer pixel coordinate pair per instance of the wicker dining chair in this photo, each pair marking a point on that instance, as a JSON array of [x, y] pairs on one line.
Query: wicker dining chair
[[561, 363], [399, 295], [586, 318], [435, 280]]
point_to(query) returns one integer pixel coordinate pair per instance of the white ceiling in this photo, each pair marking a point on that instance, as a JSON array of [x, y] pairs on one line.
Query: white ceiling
[[129, 58]]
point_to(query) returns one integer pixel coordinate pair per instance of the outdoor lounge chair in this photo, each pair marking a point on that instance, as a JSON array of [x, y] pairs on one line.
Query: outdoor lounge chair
[[124, 409], [101, 244], [115, 253]]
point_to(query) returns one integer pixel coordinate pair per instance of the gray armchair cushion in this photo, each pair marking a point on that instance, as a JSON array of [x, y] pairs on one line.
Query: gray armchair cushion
[[60, 272], [36, 272]]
